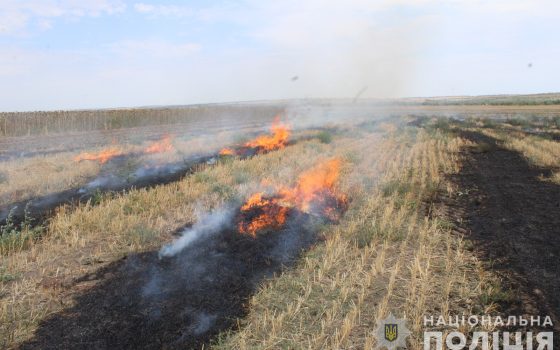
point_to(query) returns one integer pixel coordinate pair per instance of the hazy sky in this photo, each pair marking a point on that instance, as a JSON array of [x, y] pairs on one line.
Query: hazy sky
[[103, 53]]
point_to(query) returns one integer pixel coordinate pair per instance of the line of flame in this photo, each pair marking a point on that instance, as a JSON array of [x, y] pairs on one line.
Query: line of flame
[[313, 186]]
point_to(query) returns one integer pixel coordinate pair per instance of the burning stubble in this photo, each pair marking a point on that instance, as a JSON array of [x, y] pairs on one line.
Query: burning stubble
[[162, 146], [122, 167], [102, 157], [198, 285], [314, 193], [278, 139], [226, 253]]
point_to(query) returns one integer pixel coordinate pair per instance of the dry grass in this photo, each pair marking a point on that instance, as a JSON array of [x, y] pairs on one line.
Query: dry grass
[[39, 176], [386, 255], [538, 150]]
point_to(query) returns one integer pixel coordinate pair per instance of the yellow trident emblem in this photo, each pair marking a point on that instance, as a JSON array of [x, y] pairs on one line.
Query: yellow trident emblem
[[391, 331]]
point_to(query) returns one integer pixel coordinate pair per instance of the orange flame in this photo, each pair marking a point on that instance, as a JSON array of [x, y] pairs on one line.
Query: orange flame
[[102, 157], [278, 139], [315, 189], [227, 152], [266, 143], [164, 145], [271, 214], [313, 184]]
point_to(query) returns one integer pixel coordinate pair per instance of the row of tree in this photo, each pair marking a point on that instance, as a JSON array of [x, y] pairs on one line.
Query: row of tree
[[53, 122]]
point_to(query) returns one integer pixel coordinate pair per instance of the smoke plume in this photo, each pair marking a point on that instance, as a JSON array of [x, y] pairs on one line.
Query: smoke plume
[[206, 225]]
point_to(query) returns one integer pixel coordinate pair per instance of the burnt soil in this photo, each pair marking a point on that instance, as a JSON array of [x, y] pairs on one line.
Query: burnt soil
[[180, 302], [38, 209], [511, 214]]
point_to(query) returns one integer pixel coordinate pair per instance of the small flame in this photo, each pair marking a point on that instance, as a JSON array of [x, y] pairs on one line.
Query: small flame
[[314, 190], [313, 185], [102, 157], [267, 214], [164, 145], [278, 139], [265, 143], [227, 152]]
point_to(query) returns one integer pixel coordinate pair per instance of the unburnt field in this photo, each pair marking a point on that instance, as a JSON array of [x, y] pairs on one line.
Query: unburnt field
[[305, 245]]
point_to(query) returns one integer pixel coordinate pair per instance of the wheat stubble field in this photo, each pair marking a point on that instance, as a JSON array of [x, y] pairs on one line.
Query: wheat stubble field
[[229, 234]]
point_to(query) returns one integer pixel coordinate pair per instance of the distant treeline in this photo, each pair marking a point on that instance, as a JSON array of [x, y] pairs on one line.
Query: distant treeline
[[491, 103], [499, 100], [52, 122]]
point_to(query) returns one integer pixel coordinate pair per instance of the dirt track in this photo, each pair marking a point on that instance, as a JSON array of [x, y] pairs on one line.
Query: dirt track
[[512, 214]]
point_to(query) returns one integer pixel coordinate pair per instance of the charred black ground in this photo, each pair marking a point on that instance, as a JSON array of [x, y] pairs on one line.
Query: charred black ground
[[178, 302], [39, 208], [512, 215]]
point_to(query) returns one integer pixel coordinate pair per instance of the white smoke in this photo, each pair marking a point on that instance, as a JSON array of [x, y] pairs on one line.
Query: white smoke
[[205, 226]]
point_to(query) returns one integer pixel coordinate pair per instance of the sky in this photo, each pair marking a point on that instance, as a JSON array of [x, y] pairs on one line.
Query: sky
[[75, 54]]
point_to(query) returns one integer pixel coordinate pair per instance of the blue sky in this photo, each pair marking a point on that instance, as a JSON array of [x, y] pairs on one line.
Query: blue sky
[[103, 53]]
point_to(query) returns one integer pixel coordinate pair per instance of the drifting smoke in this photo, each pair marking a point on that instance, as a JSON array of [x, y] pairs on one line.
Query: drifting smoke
[[205, 226], [153, 171], [303, 115]]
